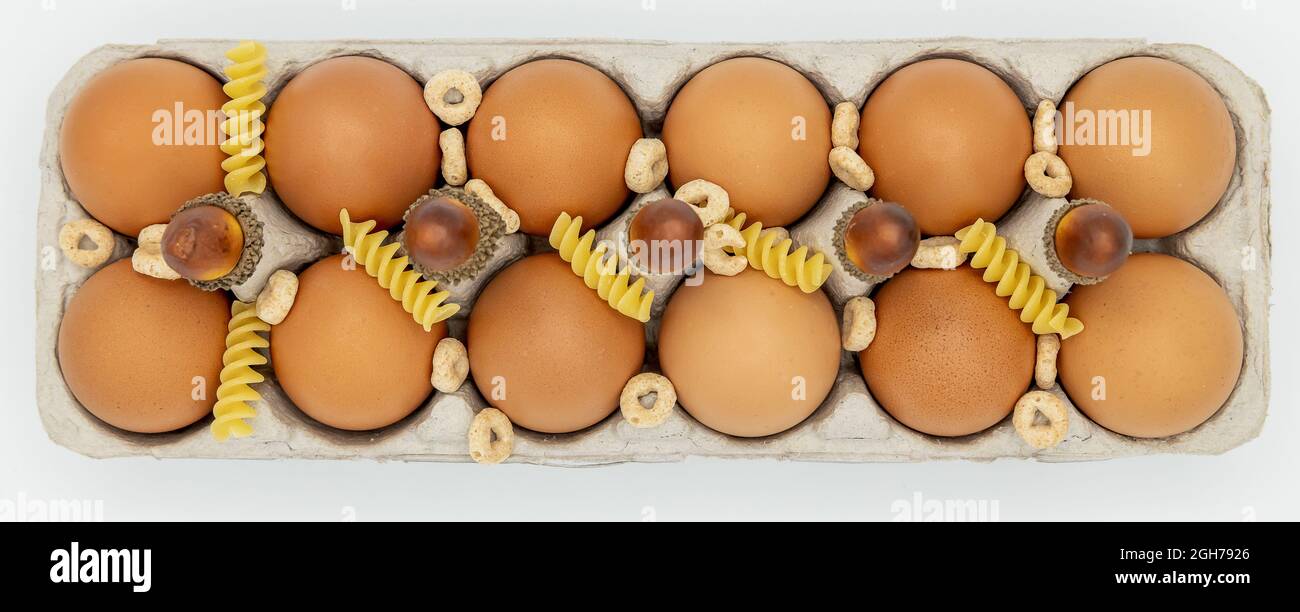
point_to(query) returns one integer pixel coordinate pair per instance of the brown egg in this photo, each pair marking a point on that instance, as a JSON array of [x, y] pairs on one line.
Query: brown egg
[[547, 351], [1093, 240], [348, 355], [203, 243], [129, 157], [440, 233], [759, 129], [748, 355], [666, 236], [1169, 149], [131, 347], [949, 358], [351, 132], [948, 140], [553, 136], [881, 238], [1162, 351]]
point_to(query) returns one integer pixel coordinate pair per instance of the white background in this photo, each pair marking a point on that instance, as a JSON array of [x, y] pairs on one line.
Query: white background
[[41, 40]]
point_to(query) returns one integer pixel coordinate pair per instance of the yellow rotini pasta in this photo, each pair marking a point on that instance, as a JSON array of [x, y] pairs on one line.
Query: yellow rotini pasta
[[1028, 292], [769, 251], [395, 274], [243, 124], [599, 269], [232, 410]]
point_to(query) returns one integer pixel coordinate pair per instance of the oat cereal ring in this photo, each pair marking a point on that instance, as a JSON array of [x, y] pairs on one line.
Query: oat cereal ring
[[647, 165], [276, 299], [71, 235], [1049, 345], [488, 424], [939, 252], [1047, 174], [453, 95], [1045, 128], [718, 237], [148, 258], [639, 386], [1031, 428], [844, 126], [481, 190], [851, 169], [709, 200], [450, 365], [859, 327], [454, 168]]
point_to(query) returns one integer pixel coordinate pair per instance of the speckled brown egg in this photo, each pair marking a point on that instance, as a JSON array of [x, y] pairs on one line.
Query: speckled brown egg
[[948, 140], [748, 355], [129, 157], [1151, 138], [348, 355], [1162, 350], [547, 351], [131, 347], [351, 132], [553, 136], [758, 128], [949, 358]]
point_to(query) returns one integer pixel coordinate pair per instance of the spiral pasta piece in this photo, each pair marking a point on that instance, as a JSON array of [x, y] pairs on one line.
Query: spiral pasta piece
[[1028, 292], [599, 269], [395, 274], [769, 251], [231, 411], [243, 124]]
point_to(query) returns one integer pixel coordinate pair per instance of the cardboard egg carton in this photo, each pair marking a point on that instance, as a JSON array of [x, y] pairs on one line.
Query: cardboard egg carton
[[1231, 244]]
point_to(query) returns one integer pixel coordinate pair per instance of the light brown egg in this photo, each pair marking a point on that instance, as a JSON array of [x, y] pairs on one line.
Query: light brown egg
[[748, 355], [131, 347], [351, 132], [348, 355], [121, 152], [759, 129], [948, 140], [553, 136], [1180, 162], [1162, 349], [949, 358], [547, 351]]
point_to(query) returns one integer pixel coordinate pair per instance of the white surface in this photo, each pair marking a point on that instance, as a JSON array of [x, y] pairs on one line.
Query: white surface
[[1255, 481]]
